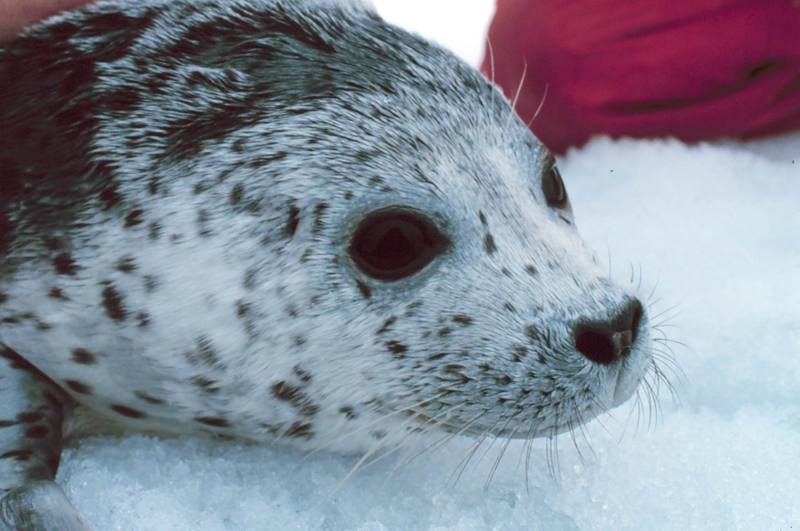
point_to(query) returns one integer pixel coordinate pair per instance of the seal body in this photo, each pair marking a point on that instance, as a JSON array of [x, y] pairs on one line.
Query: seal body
[[183, 188]]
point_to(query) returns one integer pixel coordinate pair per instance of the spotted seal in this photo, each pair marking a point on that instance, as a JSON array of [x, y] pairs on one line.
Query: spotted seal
[[283, 221]]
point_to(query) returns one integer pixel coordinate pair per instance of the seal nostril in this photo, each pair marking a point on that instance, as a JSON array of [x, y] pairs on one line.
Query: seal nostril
[[605, 341], [595, 345]]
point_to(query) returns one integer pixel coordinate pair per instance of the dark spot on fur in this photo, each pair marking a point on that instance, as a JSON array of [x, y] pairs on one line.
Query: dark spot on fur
[[150, 283], [154, 231], [294, 220], [3, 297], [489, 245], [304, 375], [205, 384], [204, 354], [532, 333], [78, 387], [110, 197], [202, 220], [464, 320], [217, 422], [510, 307], [437, 356], [83, 356], [134, 218], [64, 264], [366, 292], [319, 215], [412, 307], [113, 304], [504, 379], [126, 265], [348, 412], [396, 347], [445, 331], [149, 398], [200, 187], [300, 430], [143, 319], [153, 185], [242, 308], [530, 270], [126, 411], [56, 293], [520, 351], [482, 217], [250, 278], [386, 325], [237, 193], [284, 391]]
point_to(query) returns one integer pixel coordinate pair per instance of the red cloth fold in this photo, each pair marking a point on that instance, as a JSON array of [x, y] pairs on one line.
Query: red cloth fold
[[692, 69]]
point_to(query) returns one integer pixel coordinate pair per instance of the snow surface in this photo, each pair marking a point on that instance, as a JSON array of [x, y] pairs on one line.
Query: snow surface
[[716, 227]]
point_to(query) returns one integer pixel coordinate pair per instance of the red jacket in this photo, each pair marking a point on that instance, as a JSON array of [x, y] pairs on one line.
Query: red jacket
[[692, 69]]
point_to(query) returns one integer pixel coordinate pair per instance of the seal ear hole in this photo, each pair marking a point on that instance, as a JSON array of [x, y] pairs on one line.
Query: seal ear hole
[[395, 243], [555, 193]]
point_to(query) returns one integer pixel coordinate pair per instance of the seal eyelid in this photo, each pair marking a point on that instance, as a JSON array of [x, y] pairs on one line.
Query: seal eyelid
[[396, 242], [555, 193]]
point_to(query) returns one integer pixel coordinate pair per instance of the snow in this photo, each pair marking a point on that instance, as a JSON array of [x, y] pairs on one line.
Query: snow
[[716, 228]]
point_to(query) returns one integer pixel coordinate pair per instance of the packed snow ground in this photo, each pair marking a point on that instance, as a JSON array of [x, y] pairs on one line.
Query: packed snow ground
[[716, 227]]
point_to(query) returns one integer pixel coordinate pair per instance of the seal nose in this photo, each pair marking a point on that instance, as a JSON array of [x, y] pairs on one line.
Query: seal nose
[[605, 341]]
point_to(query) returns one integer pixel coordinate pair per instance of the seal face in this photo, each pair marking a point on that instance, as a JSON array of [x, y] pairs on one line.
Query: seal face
[[274, 220]]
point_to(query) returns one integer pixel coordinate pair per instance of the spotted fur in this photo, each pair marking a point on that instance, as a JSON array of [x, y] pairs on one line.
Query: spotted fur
[[181, 183]]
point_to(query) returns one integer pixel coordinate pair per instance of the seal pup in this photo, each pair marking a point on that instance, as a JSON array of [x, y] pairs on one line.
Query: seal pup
[[279, 220]]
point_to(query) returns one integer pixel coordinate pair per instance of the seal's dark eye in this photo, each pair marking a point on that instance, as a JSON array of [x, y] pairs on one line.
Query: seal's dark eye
[[393, 244], [553, 187]]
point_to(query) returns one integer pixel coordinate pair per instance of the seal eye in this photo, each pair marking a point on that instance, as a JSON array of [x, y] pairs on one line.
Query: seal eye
[[553, 187], [393, 244]]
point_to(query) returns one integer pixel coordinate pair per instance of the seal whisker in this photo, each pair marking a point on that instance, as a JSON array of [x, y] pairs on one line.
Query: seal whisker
[[431, 423], [471, 452], [496, 464], [540, 106], [428, 424], [439, 443], [373, 422]]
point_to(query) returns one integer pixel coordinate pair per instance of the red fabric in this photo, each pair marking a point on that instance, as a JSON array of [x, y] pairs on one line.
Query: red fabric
[[692, 69]]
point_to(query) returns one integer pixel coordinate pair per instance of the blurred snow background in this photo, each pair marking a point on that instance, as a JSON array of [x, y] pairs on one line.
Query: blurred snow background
[[717, 227]]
